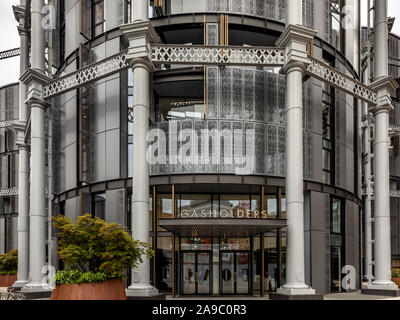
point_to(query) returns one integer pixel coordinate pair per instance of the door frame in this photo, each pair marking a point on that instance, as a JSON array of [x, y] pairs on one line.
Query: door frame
[[235, 265], [196, 253]]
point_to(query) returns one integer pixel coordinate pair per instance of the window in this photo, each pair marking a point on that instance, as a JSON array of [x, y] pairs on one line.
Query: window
[[62, 31], [336, 23], [336, 216], [97, 17], [327, 133], [99, 205]]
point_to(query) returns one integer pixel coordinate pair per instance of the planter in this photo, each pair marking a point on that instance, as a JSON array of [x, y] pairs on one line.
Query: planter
[[109, 290], [7, 280], [396, 281]]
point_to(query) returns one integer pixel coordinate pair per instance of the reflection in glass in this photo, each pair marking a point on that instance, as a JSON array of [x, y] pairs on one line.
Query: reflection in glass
[[242, 273], [164, 207], [203, 270], [189, 270], [228, 272], [164, 263]]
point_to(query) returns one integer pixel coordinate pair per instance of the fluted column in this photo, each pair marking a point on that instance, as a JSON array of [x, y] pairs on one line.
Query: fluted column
[[140, 34], [23, 148], [384, 85], [35, 78], [295, 39]]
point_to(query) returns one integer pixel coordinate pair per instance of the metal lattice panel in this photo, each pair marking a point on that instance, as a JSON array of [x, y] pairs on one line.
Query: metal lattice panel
[[217, 55], [7, 124], [394, 62], [341, 81], [86, 75], [10, 53], [9, 192]]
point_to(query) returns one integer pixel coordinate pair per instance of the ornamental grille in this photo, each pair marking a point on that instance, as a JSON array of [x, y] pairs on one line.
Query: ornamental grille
[[217, 55], [10, 53], [341, 81], [94, 72]]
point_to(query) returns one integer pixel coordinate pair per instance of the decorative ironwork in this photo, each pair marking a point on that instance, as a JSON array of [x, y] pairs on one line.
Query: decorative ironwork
[[130, 114], [341, 81], [217, 55], [7, 123], [394, 62], [86, 75], [10, 53], [9, 192]]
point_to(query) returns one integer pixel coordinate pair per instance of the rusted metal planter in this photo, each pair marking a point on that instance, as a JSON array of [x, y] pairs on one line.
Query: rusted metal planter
[[109, 290], [7, 280]]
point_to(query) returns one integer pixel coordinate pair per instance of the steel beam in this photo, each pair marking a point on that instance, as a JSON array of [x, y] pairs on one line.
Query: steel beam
[[217, 55], [341, 81], [10, 53]]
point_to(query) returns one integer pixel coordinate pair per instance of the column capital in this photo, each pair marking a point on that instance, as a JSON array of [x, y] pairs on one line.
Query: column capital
[[19, 12], [140, 36], [35, 80], [384, 87], [295, 39]]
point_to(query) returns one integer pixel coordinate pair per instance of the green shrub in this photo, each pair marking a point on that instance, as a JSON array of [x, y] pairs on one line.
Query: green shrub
[[9, 263], [396, 273], [94, 249], [78, 277]]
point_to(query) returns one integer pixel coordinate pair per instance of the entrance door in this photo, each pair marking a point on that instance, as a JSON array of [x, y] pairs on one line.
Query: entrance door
[[196, 273], [235, 273]]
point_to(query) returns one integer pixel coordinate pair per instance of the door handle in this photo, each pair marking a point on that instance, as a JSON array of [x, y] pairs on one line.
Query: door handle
[[197, 277], [235, 277]]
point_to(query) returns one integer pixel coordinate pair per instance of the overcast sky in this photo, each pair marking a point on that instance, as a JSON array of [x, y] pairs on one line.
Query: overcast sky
[[9, 68]]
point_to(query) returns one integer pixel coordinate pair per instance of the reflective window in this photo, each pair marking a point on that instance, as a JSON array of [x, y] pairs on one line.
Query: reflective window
[[238, 205], [164, 207], [97, 17], [164, 263], [195, 206], [99, 205], [336, 216]]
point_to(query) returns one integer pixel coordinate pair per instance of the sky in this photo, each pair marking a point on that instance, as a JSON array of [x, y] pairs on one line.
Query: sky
[[9, 38]]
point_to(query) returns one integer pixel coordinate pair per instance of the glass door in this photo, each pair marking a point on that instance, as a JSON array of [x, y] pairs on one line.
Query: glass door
[[196, 273], [235, 273], [242, 272], [228, 272], [189, 272]]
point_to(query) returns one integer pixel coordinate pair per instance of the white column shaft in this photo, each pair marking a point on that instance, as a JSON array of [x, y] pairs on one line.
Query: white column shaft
[[381, 39], [140, 10], [37, 204], [294, 181], [140, 197], [295, 12], [382, 200], [37, 36]]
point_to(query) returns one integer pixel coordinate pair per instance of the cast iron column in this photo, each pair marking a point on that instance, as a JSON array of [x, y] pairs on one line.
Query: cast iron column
[[23, 148], [384, 85], [35, 78], [140, 34], [295, 39]]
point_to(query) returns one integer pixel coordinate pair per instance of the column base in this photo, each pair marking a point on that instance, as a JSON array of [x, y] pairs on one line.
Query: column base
[[388, 289], [295, 294], [18, 285], [34, 291], [141, 291]]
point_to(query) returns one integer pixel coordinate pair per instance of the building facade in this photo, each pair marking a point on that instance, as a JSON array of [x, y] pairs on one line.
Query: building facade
[[92, 139], [217, 222], [9, 111]]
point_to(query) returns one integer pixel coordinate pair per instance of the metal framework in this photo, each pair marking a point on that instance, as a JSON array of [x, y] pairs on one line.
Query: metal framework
[[341, 81], [9, 192], [394, 62], [10, 53], [8, 123], [217, 55], [86, 75]]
